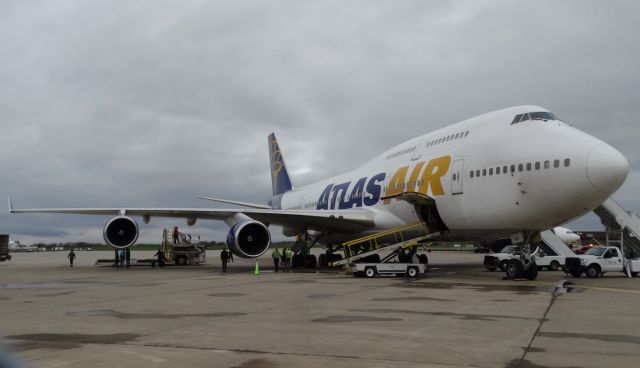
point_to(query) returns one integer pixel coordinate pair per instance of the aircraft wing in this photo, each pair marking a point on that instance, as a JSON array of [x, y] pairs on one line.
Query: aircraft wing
[[325, 220]]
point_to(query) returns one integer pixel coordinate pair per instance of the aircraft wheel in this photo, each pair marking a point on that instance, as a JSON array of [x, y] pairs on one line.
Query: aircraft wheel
[[554, 266], [310, 261], [322, 260], [181, 260], [531, 272], [491, 269], [503, 265], [513, 269]]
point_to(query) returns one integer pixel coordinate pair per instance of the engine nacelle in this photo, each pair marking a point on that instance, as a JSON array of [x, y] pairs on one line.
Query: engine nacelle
[[248, 239], [120, 232]]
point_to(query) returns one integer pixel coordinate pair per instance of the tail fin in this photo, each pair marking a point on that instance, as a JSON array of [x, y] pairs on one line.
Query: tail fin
[[280, 181]]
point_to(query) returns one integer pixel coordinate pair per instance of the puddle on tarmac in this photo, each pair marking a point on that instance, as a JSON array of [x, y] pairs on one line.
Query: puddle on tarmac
[[123, 315], [256, 363], [301, 281], [341, 319], [47, 285], [412, 299], [517, 289], [62, 293], [65, 341], [518, 363], [463, 316], [601, 337], [321, 296], [224, 295]]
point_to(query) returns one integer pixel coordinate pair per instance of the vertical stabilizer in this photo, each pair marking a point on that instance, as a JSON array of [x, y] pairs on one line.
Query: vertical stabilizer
[[280, 181]]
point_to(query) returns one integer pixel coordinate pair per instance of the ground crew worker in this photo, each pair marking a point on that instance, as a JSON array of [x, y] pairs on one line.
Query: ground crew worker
[[224, 256], [175, 235], [289, 256], [116, 259], [72, 257], [276, 258], [284, 257], [127, 257], [160, 255], [123, 255]]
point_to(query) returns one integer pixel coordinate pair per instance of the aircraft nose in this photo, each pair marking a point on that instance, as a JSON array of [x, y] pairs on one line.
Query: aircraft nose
[[607, 168]]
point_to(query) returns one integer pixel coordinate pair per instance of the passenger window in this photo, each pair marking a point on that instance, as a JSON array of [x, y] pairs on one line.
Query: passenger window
[[556, 163], [567, 162], [528, 166], [537, 166], [471, 174], [477, 173], [454, 177], [466, 133], [504, 169], [498, 170], [520, 167], [513, 168], [491, 171], [547, 164], [456, 137], [484, 172]]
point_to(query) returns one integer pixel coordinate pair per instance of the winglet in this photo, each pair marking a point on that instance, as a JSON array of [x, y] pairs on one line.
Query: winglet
[[10, 205]]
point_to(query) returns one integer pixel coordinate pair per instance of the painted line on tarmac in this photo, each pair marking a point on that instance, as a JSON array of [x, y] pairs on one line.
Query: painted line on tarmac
[[607, 289]]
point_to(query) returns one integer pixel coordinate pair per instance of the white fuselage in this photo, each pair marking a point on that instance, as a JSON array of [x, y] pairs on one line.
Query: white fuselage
[[554, 173]]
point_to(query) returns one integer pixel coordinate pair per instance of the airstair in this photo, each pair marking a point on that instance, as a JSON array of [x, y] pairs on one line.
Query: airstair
[[551, 244], [392, 240], [622, 227]]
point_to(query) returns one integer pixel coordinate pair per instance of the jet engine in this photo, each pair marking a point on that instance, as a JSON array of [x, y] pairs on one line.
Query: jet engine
[[248, 239], [120, 232]]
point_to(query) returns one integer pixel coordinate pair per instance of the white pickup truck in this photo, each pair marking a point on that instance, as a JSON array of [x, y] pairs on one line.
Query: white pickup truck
[[500, 260], [598, 260]]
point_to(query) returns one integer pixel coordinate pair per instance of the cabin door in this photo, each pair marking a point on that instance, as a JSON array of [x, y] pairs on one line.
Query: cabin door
[[457, 170]]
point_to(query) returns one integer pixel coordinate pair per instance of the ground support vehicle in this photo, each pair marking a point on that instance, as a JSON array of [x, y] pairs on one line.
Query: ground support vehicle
[[4, 248], [388, 268], [599, 260]]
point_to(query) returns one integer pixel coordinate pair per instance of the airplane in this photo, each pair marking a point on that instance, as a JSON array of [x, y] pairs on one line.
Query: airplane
[[508, 173], [16, 246], [567, 236]]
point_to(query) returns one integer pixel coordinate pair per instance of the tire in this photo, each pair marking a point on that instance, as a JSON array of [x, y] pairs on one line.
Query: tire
[[369, 272], [310, 261], [531, 272], [322, 260], [634, 274], [554, 266], [592, 271], [181, 260], [576, 273], [513, 269], [491, 269], [503, 265], [412, 272]]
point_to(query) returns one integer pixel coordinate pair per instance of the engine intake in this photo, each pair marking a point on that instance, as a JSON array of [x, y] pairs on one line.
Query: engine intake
[[249, 239], [121, 232]]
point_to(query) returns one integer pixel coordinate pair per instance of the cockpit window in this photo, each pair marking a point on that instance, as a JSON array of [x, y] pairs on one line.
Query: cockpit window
[[542, 115]]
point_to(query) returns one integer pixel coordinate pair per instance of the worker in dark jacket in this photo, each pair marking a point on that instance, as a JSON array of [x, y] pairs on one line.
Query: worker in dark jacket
[[72, 257], [224, 256], [160, 255]]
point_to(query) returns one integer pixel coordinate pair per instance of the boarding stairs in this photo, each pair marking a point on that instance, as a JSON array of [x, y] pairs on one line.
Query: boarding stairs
[[391, 240], [551, 244], [622, 227]]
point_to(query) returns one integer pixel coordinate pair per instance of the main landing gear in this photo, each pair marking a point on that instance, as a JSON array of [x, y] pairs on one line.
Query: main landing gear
[[525, 267]]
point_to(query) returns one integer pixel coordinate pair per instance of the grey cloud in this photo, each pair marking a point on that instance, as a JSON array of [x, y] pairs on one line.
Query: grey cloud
[[154, 102]]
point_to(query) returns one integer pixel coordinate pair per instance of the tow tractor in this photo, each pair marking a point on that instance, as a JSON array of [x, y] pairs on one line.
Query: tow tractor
[[362, 256]]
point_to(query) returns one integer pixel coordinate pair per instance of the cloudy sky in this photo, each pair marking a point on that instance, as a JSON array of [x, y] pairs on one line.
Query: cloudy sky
[[151, 103]]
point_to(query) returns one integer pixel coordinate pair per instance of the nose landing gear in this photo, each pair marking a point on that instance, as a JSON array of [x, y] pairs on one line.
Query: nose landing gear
[[525, 267]]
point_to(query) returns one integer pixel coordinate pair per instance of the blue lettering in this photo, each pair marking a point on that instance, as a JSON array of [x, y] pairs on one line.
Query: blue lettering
[[323, 201], [342, 188], [355, 199], [374, 189]]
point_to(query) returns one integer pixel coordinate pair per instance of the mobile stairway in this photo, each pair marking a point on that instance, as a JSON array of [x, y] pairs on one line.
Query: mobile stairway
[[622, 227], [393, 242]]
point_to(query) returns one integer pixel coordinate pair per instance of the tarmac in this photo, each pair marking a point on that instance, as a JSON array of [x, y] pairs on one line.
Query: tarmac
[[458, 315]]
